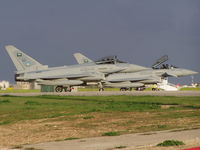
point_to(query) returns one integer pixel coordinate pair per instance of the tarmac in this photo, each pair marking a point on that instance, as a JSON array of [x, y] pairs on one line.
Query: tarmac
[[111, 93], [130, 141]]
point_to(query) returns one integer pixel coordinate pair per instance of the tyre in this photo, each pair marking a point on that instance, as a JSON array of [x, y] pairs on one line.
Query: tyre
[[59, 89]]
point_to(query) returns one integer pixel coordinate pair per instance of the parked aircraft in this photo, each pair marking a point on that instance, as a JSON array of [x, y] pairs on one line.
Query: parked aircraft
[[28, 69], [138, 78], [108, 71], [141, 78]]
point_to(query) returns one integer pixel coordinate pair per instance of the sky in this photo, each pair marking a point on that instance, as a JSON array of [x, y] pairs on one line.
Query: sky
[[137, 31]]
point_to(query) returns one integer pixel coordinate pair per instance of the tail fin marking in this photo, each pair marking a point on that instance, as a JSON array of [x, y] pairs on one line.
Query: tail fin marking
[[81, 59], [22, 61]]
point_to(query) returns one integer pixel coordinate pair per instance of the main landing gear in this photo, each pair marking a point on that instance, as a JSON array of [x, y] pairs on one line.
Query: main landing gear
[[125, 89], [62, 88], [101, 89], [140, 89]]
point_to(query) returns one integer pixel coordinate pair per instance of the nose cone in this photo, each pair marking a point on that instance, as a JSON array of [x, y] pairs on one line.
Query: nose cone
[[187, 72]]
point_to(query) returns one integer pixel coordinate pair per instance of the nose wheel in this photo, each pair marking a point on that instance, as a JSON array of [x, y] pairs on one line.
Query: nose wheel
[[100, 86]]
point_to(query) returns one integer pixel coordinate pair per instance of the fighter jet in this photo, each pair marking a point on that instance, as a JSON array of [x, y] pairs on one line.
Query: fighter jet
[[138, 78], [28, 69], [108, 71]]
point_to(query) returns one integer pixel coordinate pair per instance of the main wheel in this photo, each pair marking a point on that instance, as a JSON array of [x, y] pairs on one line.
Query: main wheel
[[139, 89], [59, 89], [123, 89], [67, 89], [101, 89]]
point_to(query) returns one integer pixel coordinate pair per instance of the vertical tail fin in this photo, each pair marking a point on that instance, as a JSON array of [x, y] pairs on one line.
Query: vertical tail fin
[[22, 61], [81, 59]]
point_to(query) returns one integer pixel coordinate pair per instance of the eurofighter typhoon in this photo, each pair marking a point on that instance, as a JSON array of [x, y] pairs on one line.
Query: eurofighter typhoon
[[28, 69], [107, 72], [137, 78]]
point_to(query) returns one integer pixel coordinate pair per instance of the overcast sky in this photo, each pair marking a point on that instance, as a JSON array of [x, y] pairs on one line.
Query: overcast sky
[[138, 31]]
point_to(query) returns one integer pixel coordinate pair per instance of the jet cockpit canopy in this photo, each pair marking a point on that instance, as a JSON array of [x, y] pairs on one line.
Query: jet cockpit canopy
[[109, 60], [167, 66], [159, 64]]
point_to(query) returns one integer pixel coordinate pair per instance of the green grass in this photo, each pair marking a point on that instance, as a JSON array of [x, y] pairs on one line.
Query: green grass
[[171, 143], [146, 128], [190, 89], [13, 108], [5, 122], [71, 138], [111, 134], [17, 147], [120, 147], [4, 101], [88, 117]]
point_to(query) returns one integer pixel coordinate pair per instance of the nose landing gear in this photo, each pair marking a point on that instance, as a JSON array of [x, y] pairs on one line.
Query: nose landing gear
[[100, 86]]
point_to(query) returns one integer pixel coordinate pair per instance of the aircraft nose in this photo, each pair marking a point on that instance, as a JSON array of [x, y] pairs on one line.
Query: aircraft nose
[[189, 72]]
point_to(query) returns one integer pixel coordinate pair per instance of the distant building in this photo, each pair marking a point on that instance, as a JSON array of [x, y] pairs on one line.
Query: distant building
[[4, 85]]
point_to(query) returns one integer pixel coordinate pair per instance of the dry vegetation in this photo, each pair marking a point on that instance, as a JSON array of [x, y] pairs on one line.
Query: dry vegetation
[[25, 120]]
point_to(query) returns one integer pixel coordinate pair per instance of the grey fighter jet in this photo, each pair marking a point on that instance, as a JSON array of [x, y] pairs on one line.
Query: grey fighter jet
[[138, 78], [108, 71], [28, 69]]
